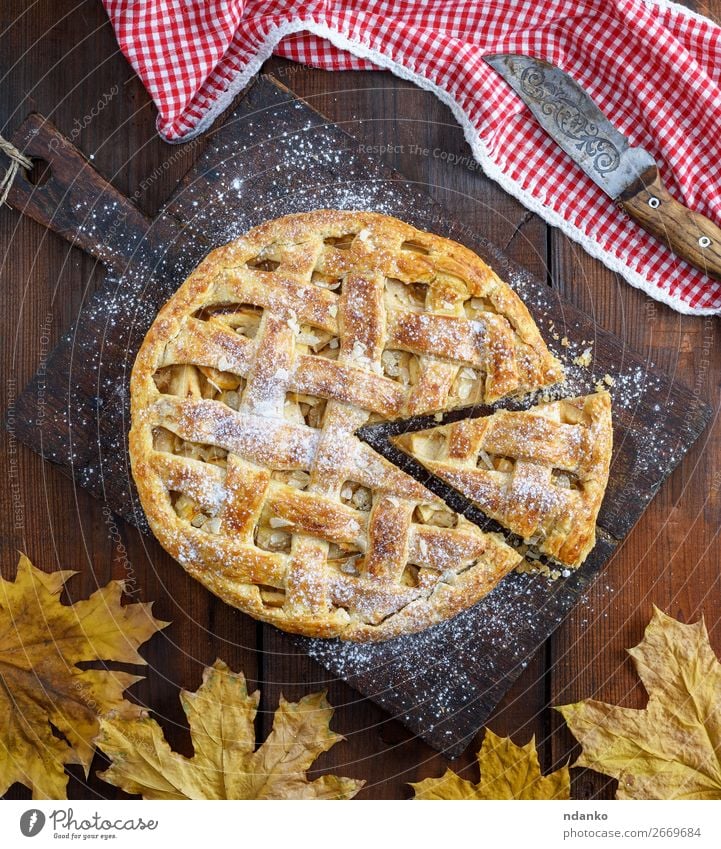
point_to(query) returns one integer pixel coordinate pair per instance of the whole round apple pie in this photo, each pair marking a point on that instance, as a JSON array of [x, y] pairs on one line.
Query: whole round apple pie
[[248, 390]]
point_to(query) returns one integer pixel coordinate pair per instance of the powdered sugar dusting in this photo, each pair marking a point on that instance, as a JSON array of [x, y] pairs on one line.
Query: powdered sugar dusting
[[435, 665]]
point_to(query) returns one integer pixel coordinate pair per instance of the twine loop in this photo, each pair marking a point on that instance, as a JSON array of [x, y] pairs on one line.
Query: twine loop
[[18, 160]]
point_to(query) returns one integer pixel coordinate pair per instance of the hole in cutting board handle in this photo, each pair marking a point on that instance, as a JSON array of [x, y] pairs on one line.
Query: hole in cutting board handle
[[40, 173]]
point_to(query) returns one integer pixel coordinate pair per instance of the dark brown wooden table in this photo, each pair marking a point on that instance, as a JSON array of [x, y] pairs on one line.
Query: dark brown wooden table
[[62, 59]]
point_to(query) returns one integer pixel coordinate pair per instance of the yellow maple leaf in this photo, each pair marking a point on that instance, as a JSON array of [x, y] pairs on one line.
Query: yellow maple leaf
[[41, 688], [672, 748], [225, 763], [507, 772]]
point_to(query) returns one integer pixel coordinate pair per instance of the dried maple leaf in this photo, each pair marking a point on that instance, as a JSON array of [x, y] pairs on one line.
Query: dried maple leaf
[[49, 707], [507, 772], [226, 764], [672, 748]]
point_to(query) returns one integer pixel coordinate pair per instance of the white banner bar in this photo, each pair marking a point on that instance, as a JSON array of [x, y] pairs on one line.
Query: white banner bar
[[304, 825]]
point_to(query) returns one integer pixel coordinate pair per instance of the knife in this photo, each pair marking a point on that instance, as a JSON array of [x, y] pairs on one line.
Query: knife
[[629, 175]]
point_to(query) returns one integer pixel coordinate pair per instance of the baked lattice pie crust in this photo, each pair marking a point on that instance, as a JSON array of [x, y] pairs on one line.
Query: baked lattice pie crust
[[248, 389], [541, 472]]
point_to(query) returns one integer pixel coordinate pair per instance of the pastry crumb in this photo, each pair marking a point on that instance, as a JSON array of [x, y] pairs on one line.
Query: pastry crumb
[[584, 359]]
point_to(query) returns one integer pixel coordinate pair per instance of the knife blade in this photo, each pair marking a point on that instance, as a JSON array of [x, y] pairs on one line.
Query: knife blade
[[628, 174]]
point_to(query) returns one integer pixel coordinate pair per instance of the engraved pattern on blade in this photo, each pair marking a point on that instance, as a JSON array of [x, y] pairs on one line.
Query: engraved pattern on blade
[[573, 120], [570, 120]]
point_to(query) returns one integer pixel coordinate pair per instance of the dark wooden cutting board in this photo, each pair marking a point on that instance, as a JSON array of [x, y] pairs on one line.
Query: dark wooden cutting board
[[274, 155]]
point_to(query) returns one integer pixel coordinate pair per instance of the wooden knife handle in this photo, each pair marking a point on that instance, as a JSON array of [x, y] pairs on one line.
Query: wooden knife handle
[[688, 234]]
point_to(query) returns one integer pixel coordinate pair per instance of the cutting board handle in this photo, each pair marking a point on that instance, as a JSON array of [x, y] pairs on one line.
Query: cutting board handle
[[72, 199]]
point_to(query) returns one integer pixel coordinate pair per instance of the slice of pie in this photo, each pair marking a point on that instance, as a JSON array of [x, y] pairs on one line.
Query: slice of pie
[[541, 473], [250, 385]]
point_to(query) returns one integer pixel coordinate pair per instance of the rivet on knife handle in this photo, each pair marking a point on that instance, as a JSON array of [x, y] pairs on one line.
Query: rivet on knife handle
[[688, 234]]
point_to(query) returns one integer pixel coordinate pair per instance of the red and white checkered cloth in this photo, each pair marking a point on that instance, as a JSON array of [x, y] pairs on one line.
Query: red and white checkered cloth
[[653, 67]]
